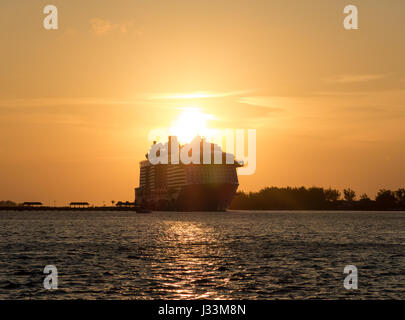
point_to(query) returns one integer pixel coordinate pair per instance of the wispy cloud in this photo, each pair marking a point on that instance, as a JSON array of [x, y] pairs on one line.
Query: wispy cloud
[[101, 27], [139, 100], [43, 102], [350, 78], [271, 102], [195, 95], [157, 99]]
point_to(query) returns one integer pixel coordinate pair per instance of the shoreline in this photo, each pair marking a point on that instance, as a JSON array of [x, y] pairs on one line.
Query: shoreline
[[46, 208], [140, 210]]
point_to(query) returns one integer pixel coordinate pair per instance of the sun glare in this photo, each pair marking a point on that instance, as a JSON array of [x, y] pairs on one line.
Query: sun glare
[[191, 123]]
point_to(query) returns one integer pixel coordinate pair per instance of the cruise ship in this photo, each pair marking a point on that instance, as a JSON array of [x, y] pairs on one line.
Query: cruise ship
[[198, 186]]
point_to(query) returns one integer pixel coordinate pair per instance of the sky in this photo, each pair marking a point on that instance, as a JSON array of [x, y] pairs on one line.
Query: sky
[[77, 104]]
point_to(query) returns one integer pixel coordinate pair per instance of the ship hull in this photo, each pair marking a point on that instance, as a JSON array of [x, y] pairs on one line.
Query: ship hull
[[197, 197], [206, 197]]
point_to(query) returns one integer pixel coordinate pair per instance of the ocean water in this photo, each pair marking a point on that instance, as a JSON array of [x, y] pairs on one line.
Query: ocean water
[[230, 255]]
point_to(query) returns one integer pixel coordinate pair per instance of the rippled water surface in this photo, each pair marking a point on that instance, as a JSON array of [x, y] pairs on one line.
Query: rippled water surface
[[232, 255]]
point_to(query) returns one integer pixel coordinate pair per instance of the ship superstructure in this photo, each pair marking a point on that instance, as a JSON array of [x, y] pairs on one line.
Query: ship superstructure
[[198, 186]]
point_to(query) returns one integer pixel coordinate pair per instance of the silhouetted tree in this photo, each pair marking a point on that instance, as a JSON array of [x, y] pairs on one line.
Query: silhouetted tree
[[400, 195], [364, 196], [273, 198], [7, 203], [349, 194], [332, 195], [386, 199], [365, 202]]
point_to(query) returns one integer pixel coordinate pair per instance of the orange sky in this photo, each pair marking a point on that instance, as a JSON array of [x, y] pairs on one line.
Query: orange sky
[[77, 104]]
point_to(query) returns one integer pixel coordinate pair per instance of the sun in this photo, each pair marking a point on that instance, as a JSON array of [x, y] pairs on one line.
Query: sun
[[191, 123]]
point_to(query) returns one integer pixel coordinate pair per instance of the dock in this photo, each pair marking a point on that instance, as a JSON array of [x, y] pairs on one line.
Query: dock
[[74, 206]]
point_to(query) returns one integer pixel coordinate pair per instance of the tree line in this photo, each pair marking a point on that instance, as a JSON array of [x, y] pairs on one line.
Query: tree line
[[7, 203], [273, 198], [315, 198]]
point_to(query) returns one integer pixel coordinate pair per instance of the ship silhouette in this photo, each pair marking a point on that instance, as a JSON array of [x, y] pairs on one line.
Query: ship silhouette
[[197, 186]]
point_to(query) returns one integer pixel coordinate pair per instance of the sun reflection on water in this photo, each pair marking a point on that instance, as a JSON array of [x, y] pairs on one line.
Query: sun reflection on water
[[189, 270]]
